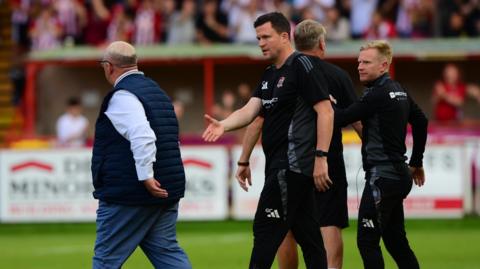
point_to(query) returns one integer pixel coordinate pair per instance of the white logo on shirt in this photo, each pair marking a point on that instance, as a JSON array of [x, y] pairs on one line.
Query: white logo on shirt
[[272, 213], [264, 85], [368, 223], [395, 94], [269, 103], [280, 82]]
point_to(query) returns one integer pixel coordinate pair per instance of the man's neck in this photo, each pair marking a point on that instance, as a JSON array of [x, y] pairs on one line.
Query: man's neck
[[314, 52], [124, 74], [283, 57], [376, 80]]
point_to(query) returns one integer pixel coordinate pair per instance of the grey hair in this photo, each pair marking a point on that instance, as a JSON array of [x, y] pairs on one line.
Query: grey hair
[[308, 34]]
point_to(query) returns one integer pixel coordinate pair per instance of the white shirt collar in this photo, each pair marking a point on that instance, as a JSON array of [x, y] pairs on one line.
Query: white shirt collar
[[131, 72]]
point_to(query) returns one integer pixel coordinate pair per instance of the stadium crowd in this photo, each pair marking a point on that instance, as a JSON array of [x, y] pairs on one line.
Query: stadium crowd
[[47, 24]]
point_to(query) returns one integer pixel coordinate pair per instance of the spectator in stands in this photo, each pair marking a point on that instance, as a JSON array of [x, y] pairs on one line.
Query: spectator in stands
[[72, 126], [303, 14], [471, 12], [181, 27], [46, 31], [282, 6], [212, 24], [72, 16], [20, 20], [17, 74], [232, 7], [241, 23], [415, 18], [147, 24], [179, 108], [344, 8], [448, 95], [473, 91], [338, 27], [98, 14], [423, 20], [313, 9], [456, 25], [226, 106], [166, 8], [361, 16], [451, 18], [120, 27], [244, 92], [380, 28]]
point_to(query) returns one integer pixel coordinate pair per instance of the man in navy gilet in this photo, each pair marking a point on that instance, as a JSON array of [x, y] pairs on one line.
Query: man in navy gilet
[[137, 169]]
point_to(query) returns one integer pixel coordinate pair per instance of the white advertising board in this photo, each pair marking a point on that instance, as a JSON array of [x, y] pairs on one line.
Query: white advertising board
[[446, 172], [55, 185], [206, 169], [442, 195], [50, 185], [245, 203]]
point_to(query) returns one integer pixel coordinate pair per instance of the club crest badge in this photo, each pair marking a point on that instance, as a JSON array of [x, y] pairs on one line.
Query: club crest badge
[[280, 82]]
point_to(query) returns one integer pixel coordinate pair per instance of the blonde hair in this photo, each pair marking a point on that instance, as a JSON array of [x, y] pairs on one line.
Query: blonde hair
[[121, 54], [382, 46], [308, 33]]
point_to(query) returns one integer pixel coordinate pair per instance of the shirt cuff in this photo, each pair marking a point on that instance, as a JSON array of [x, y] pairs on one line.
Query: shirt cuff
[[144, 172]]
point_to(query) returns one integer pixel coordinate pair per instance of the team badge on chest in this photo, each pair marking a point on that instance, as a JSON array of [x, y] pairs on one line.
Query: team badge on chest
[[280, 82]]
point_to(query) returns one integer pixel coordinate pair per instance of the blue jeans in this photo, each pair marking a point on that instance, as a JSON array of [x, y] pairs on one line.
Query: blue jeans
[[120, 229]]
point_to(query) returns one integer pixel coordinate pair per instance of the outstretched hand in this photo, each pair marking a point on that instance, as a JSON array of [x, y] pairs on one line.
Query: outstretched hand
[[418, 175], [214, 130]]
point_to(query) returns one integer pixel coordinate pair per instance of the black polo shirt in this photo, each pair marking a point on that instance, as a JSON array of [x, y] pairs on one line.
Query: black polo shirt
[[288, 95], [340, 86]]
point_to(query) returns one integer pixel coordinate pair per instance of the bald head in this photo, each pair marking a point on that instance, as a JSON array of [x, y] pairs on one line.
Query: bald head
[[121, 54]]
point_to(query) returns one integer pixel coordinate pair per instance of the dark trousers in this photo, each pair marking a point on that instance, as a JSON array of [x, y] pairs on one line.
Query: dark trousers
[[381, 216], [287, 203]]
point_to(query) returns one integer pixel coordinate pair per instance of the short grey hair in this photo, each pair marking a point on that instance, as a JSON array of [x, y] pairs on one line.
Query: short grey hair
[[308, 34], [121, 54]]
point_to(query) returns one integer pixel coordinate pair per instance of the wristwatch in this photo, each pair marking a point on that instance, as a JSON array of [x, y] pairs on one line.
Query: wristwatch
[[321, 153]]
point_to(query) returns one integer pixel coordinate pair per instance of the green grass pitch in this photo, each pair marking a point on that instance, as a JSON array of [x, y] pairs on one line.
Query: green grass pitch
[[439, 244]]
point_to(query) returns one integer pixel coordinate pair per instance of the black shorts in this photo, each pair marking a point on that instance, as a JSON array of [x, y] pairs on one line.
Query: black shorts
[[287, 202], [332, 208]]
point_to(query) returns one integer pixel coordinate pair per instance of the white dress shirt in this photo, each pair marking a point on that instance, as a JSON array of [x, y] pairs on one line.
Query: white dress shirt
[[128, 117]]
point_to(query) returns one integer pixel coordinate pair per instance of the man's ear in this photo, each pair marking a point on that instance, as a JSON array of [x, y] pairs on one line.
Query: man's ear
[[109, 68], [321, 45], [385, 66]]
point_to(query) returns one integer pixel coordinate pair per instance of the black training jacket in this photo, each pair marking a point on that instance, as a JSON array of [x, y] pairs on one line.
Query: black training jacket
[[385, 109]]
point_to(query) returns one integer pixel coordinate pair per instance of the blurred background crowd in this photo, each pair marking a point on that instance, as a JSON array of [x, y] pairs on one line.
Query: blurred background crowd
[[47, 24]]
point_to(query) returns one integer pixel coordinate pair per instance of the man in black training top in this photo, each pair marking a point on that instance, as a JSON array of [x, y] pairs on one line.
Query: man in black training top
[[294, 101], [331, 203], [385, 109]]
